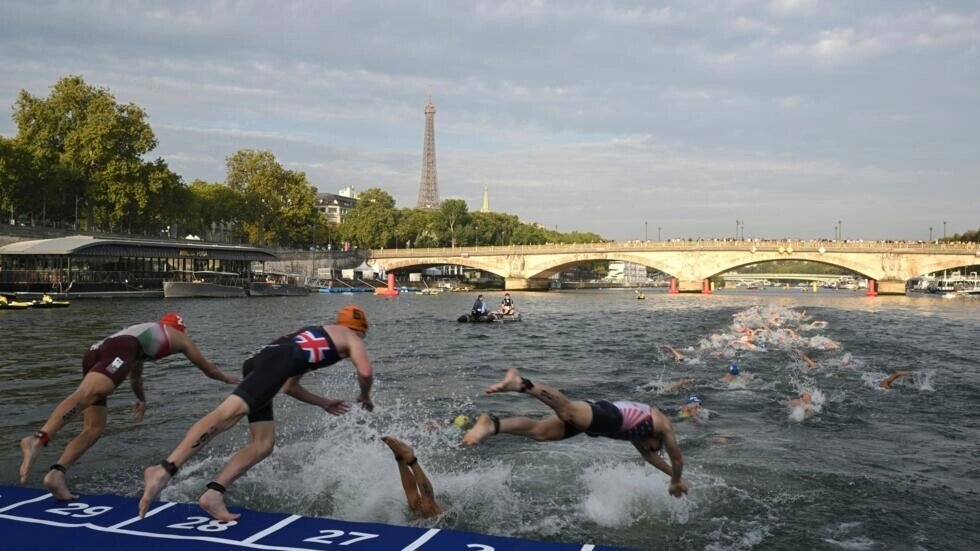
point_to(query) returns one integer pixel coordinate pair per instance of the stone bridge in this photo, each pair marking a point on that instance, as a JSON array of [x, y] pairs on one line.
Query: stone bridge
[[691, 263]]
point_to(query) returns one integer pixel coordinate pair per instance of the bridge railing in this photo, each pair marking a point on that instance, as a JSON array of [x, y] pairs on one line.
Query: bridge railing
[[769, 245]]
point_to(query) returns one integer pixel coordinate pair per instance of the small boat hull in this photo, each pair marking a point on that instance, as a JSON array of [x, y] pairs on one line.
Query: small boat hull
[[186, 289], [266, 289], [489, 318]]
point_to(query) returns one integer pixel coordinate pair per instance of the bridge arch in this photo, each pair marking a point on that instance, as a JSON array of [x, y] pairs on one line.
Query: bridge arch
[[693, 262]]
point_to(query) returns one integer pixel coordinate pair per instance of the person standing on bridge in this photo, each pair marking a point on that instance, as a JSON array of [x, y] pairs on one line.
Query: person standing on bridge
[[642, 425], [104, 367], [278, 365]]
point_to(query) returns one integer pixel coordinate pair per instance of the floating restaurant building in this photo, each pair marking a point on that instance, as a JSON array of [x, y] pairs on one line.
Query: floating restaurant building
[[82, 265]]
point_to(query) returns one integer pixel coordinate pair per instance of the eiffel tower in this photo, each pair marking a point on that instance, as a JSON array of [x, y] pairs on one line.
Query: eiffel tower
[[429, 184]]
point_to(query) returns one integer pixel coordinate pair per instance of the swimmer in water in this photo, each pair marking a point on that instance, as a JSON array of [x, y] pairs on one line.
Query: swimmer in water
[[418, 490], [804, 402], [677, 355], [735, 374], [693, 409], [805, 358], [888, 381], [674, 386], [642, 425]]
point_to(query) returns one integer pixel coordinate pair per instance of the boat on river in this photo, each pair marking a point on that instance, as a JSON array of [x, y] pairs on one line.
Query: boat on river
[[48, 302], [278, 284], [9, 301], [492, 317], [205, 283]]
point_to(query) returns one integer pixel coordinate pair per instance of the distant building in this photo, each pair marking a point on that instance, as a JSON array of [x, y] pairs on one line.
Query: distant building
[[486, 201], [334, 206]]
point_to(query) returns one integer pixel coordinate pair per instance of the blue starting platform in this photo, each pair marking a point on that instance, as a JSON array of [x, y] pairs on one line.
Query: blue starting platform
[[32, 519]]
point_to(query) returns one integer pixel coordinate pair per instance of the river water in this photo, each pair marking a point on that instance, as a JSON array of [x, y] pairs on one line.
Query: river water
[[870, 469]]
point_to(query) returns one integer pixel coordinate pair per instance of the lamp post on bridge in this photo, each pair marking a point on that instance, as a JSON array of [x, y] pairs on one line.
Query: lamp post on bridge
[[930, 233], [944, 230], [840, 230], [658, 233], [646, 236]]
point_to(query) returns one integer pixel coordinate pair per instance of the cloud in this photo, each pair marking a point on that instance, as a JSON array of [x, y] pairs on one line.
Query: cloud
[[787, 7], [612, 113]]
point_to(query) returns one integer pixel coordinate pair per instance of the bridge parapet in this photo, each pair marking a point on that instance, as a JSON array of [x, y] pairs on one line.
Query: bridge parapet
[[692, 262], [787, 246]]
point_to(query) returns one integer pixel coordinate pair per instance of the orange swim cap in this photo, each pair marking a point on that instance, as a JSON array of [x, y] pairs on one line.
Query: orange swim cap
[[353, 318], [173, 319], [806, 396]]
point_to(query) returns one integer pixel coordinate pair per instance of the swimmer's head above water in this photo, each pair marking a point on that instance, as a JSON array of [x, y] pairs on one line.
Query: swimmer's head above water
[[733, 370], [463, 422], [694, 399]]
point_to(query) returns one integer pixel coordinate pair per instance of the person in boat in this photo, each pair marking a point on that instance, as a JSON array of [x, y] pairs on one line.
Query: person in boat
[[418, 489], [888, 381], [104, 367], [479, 307], [644, 426], [507, 307], [277, 366]]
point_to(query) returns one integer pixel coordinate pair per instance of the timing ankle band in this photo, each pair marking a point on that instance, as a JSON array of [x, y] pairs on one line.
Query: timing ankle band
[[216, 487], [526, 384], [169, 467], [496, 423], [43, 437], [58, 467]]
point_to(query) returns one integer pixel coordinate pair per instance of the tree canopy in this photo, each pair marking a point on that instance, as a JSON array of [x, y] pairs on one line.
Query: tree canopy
[[80, 160]]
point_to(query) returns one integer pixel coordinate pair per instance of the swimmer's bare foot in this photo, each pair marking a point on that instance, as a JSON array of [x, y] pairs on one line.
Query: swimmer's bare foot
[[480, 431], [510, 383], [403, 452], [213, 502], [55, 482], [30, 446], [155, 478]]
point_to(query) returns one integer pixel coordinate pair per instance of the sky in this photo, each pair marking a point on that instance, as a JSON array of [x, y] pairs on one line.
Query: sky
[[633, 120]]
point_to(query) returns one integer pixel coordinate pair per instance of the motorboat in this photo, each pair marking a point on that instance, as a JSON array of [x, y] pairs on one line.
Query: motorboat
[[205, 283], [491, 317], [48, 302], [277, 284], [10, 302]]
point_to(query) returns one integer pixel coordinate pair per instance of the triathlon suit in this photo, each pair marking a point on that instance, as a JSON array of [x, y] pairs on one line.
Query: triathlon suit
[[115, 355], [622, 420], [288, 356], [507, 303]]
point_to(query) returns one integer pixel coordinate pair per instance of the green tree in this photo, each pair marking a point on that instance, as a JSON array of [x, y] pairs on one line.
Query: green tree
[[371, 223], [211, 206], [278, 204], [15, 181], [98, 143], [452, 213], [413, 225]]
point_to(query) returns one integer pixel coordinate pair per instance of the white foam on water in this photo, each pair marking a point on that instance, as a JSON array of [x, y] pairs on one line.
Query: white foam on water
[[621, 494]]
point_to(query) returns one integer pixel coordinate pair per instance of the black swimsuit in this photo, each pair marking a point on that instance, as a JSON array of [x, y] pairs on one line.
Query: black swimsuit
[[288, 356]]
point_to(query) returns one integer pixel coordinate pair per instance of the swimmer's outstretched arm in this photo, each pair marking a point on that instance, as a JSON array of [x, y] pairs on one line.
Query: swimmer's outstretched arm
[[669, 442], [887, 383], [293, 389]]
